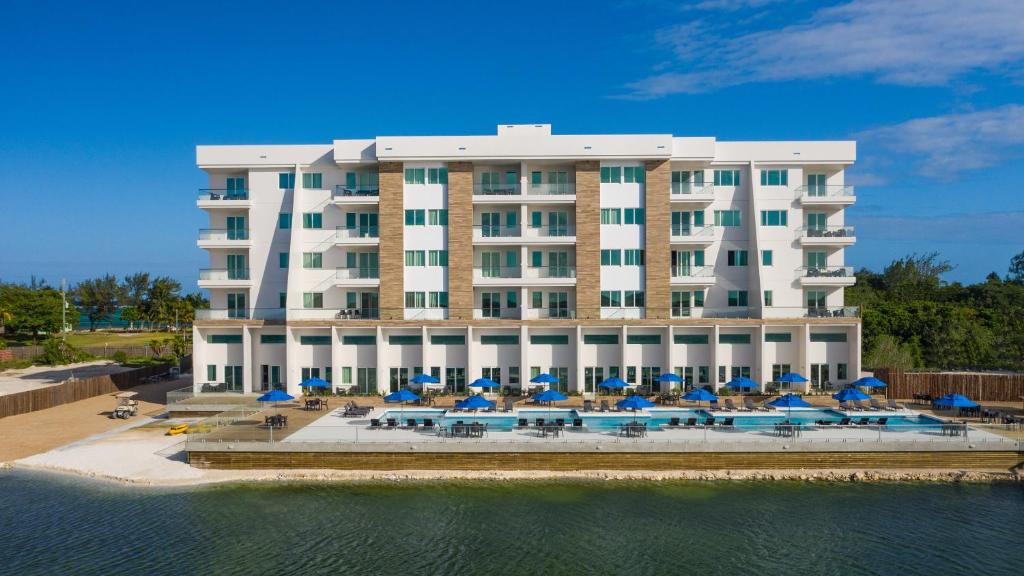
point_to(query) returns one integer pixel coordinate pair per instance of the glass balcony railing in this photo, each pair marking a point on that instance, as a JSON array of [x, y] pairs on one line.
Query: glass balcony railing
[[558, 189], [552, 313], [552, 230], [825, 191], [498, 271], [343, 233], [497, 231], [832, 311], [240, 314], [498, 313], [481, 189], [552, 272], [680, 271], [224, 274], [357, 273], [222, 194], [693, 188], [213, 234], [825, 272], [342, 191], [693, 231], [827, 232], [357, 314]]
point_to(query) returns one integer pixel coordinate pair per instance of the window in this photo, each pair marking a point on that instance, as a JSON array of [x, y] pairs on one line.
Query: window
[[272, 339], [282, 299], [315, 340], [358, 340], [643, 338], [816, 298], [634, 298], [634, 257], [282, 260], [284, 220], [698, 298], [634, 216], [536, 179], [734, 338], [554, 339], [415, 258], [631, 374], [414, 175], [690, 338], [346, 374], [438, 258], [448, 339], [774, 217], [766, 257], [774, 177], [438, 218], [611, 216], [611, 258], [536, 300], [727, 218], [437, 176], [405, 339], [767, 297], [312, 180], [438, 299], [415, 217], [685, 181], [600, 338], [500, 339], [312, 260], [737, 297], [225, 339], [737, 257], [211, 372], [286, 180], [721, 374], [828, 336], [312, 300], [680, 304], [611, 299], [841, 371], [816, 184], [778, 337], [314, 220], [727, 177], [633, 174], [415, 300], [611, 174]]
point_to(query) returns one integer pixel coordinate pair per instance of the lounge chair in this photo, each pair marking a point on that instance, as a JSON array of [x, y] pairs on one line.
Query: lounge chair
[[522, 423], [539, 422], [559, 421], [882, 422], [876, 405], [392, 423], [844, 421], [690, 423], [729, 406], [729, 423], [577, 423], [410, 423], [508, 405], [859, 405], [588, 405], [713, 406], [709, 422], [428, 423], [844, 406], [673, 422], [374, 423], [748, 404], [863, 421], [604, 406], [894, 406]]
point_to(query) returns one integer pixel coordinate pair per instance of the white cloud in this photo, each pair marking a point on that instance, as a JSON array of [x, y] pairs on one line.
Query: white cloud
[[907, 42], [951, 143]]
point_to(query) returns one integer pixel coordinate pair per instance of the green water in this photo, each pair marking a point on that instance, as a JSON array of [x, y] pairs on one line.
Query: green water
[[61, 525]]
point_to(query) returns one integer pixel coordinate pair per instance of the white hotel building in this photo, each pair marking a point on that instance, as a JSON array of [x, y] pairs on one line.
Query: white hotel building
[[365, 262]]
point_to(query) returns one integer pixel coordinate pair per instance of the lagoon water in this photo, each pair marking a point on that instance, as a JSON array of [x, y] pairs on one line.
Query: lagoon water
[[63, 525]]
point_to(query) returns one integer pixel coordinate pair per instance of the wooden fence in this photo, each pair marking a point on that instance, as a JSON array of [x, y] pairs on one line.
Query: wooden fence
[[74, 390], [1000, 387], [132, 351]]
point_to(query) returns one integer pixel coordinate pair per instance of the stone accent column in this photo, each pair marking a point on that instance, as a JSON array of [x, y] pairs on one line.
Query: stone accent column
[[460, 240], [392, 242], [657, 243], [588, 239]]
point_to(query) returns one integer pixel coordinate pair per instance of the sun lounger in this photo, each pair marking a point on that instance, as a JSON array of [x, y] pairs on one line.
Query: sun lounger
[[875, 405], [577, 423], [860, 405], [428, 423], [588, 406], [729, 406], [508, 405], [522, 423], [673, 422], [893, 405], [392, 423], [728, 423], [748, 404], [691, 423], [863, 421], [374, 423], [604, 406], [844, 422], [709, 422]]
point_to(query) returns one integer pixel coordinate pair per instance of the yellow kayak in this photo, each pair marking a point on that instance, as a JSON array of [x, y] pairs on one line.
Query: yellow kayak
[[177, 429]]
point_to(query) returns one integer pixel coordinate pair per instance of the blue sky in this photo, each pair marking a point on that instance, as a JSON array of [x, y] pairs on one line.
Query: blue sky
[[101, 105]]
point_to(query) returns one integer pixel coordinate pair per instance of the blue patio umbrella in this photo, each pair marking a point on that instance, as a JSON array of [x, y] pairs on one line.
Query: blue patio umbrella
[[792, 377], [484, 383], [550, 396], [402, 396], [474, 403], [275, 396], [613, 384], [634, 403], [670, 377], [956, 401], [424, 379], [847, 394], [699, 395], [741, 383], [315, 383], [544, 378], [789, 401], [869, 382]]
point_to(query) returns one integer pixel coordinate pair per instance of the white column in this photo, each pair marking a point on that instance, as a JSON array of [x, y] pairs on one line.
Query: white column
[[383, 377], [198, 360], [336, 358], [470, 356], [293, 373], [248, 367], [579, 359], [669, 355], [761, 361], [714, 358], [424, 351], [524, 358], [805, 345], [623, 333], [856, 353], [294, 289]]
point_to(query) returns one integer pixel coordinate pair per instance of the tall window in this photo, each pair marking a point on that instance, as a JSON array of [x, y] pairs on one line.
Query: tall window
[[415, 258], [766, 257], [611, 257], [438, 258], [816, 185], [415, 300], [727, 218], [312, 180], [438, 299], [313, 220], [775, 177], [767, 297], [774, 217], [437, 176], [312, 260], [611, 299], [634, 257], [727, 177], [284, 220], [633, 215], [611, 216], [415, 175], [415, 217], [737, 257], [633, 174], [611, 174], [438, 217], [634, 298], [737, 298], [286, 180], [312, 300]]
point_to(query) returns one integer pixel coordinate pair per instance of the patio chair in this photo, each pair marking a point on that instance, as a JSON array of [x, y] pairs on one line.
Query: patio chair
[[876, 405], [673, 422], [604, 406], [559, 421], [893, 405], [539, 422], [392, 423], [588, 405], [522, 423], [508, 405], [691, 423], [713, 406], [844, 421], [374, 423], [863, 421]]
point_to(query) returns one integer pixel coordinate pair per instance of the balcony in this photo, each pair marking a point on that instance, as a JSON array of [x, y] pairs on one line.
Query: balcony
[[497, 313], [358, 236], [497, 234], [220, 238], [223, 198], [621, 313], [551, 234], [496, 193], [693, 275], [550, 314], [831, 312], [552, 193], [693, 235], [224, 278], [333, 314], [358, 276], [497, 275], [425, 314], [534, 276], [269, 314], [695, 192], [824, 195], [827, 236], [363, 194], [826, 276]]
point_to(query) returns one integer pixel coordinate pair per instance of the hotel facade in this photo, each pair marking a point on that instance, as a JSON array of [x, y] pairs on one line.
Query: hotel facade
[[365, 262]]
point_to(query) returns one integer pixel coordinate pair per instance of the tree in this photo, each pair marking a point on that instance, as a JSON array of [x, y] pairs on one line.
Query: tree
[[889, 353], [99, 298], [34, 310], [134, 290], [1016, 274], [161, 296], [915, 277]]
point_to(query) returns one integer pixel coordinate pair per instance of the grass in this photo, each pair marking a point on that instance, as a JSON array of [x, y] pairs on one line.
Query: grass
[[81, 339]]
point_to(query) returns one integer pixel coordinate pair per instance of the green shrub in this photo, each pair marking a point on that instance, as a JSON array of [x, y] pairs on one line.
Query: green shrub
[[57, 351], [120, 357]]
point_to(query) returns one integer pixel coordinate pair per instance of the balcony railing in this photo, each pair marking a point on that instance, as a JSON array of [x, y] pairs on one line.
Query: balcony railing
[[240, 314], [551, 271], [621, 312], [480, 189], [222, 194], [832, 311], [499, 313], [566, 188], [693, 188], [334, 313], [221, 234], [343, 233], [827, 232], [497, 231], [693, 271], [498, 272], [341, 191], [357, 314], [553, 230], [693, 231], [224, 274], [825, 272], [825, 191], [357, 273]]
